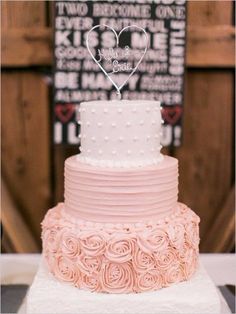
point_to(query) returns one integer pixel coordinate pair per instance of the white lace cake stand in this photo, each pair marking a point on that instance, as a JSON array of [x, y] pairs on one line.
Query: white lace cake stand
[[47, 295]]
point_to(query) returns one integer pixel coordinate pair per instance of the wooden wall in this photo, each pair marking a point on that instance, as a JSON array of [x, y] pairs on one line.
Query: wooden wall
[[32, 168]]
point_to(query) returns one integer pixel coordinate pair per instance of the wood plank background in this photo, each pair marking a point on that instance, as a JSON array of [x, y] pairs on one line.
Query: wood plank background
[[32, 168]]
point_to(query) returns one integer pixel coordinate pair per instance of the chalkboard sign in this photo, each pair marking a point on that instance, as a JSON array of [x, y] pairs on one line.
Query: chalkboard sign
[[160, 75]]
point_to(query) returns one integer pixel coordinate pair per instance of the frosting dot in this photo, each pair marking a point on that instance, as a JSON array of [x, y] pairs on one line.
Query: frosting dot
[[141, 122], [83, 110], [88, 123], [113, 152], [113, 124], [119, 110], [93, 139], [93, 110], [79, 122], [162, 121], [100, 152], [156, 136], [141, 152], [153, 122], [148, 137], [128, 124], [99, 124], [152, 150], [135, 139], [121, 138], [106, 138], [80, 135], [88, 151], [128, 151], [81, 149], [148, 109], [105, 110]]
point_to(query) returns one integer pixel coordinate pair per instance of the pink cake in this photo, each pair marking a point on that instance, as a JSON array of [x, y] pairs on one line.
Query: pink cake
[[121, 228]]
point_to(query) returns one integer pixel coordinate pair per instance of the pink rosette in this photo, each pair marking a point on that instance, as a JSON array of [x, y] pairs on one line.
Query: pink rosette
[[192, 234], [90, 264], [51, 240], [190, 263], [176, 235], [143, 261], [173, 274], [150, 280], [70, 246], [93, 243], [90, 282], [154, 240], [117, 278], [66, 270], [120, 249], [166, 258]]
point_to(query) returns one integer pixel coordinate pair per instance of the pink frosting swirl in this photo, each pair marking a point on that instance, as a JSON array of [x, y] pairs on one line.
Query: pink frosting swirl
[[70, 245], [190, 262], [143, 261], [51, 239], [152, 279], [65, 269], [173, 273], [90, 282], [120, 249], [93, 243], [90, 264], [166, 258], [176, 235], [154, 240], [117, 278], [192, 234]]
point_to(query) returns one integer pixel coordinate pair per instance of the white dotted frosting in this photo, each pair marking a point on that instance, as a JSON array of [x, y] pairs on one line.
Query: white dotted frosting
[[120, 133]]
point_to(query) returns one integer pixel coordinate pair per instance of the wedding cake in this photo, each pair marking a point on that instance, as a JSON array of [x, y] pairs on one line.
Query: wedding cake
[[121, 228]]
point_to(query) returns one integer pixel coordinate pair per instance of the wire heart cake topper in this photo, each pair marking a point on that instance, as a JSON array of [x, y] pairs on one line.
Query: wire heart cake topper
[[111, 60]]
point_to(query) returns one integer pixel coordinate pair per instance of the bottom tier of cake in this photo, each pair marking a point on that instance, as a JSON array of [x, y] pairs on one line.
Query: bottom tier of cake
[[121, 258]]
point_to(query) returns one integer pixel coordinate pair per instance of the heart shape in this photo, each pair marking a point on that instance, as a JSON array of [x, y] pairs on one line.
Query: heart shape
[[172, 114], [117, 36], [64, 112]]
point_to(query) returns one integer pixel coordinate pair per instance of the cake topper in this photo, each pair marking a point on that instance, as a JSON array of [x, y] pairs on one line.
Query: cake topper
[[111, 60]]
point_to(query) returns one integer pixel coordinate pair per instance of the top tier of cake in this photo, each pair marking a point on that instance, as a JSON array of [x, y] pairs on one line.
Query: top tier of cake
[[120, 133]]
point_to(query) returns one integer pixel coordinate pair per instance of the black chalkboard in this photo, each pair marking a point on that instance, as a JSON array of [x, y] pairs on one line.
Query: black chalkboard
[[160, 75]]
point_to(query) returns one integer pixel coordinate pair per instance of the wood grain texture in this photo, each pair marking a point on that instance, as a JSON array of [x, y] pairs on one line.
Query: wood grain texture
[[20, 238], [25, 144], [206, 154], [33, 46], [17, 14], [222, 235], [208, 13], [212, 46]]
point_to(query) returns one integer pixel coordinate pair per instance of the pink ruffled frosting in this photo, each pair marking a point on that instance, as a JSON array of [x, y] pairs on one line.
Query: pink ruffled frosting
[[121, 195], [121, 258]]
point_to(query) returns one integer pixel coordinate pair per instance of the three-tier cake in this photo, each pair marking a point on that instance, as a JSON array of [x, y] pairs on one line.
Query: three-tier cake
[[121, 228]]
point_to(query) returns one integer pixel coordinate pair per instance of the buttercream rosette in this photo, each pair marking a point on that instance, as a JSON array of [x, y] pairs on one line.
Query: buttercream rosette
[[121, 258]]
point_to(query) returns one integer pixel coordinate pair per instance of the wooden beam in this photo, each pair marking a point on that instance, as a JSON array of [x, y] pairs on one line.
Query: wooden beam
[[221, 235], [207, 46], [14, 226], [25, 47], [211, 46]]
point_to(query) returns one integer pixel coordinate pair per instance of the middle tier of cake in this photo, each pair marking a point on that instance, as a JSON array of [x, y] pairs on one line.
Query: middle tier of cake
[[121, 195]]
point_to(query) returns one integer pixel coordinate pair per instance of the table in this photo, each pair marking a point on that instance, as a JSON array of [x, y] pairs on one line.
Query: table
[[21, 268]]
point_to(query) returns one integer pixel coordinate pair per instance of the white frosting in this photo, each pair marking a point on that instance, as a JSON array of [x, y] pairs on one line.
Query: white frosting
[[120, 133]]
